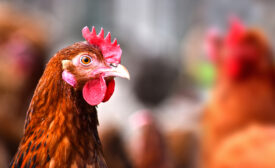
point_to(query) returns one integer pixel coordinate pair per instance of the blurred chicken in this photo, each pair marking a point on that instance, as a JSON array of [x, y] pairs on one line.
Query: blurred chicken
[[148, 149], [114, 148], [4, 159], [253, 147], [22, 56], [182, 146], [244, 91]]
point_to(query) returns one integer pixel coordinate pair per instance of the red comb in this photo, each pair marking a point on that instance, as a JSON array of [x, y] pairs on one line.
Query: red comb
[[236, 31], [111, 50]]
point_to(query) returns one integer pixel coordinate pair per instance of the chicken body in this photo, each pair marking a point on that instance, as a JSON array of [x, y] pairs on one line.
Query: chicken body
[[252, 147], [61, 123], [114, 148], [182, 145], [244, 92], [236, 108], [148, 148]]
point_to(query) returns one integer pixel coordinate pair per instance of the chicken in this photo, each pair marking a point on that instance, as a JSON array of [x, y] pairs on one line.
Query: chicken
[[23, 43], [182, 145], [244, 91], [148, 149], [253, 147], [61, 122], [4, 161], [114, 148]]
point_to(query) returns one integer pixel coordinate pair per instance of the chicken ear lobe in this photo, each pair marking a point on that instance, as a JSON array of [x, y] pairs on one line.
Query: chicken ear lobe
[[69, 78]]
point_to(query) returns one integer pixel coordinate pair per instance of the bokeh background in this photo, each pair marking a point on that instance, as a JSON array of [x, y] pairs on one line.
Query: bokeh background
[[162, 43]]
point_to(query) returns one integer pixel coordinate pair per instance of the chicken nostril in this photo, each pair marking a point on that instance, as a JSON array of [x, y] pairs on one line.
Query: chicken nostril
[[113, 65]]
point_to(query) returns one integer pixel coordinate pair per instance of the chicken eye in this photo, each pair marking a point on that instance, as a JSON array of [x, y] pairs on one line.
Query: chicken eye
[[85, 60]]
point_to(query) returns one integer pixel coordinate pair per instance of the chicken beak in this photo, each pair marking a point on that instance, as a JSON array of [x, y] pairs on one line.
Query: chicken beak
[[114, 70], [118, 71]]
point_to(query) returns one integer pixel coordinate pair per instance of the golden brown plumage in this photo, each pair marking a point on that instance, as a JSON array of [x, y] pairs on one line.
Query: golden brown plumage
[[244, 92], [252, 147], [61, 125]]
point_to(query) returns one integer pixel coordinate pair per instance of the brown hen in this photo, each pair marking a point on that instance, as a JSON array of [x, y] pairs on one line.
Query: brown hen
[[23, 46], [244, 91], [61, 122], [148, 148]]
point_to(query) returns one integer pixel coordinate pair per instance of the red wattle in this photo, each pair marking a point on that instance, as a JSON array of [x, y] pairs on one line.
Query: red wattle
[[233, 68], [110, 90], [94, 91]]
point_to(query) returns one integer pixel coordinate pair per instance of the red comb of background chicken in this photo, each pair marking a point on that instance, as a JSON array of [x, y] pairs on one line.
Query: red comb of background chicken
[[236, 31], [110, 50], [214, 38], [232, 40]]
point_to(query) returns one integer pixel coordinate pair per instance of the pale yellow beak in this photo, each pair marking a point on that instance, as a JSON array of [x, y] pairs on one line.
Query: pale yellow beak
[[114, 70], [121, 71]]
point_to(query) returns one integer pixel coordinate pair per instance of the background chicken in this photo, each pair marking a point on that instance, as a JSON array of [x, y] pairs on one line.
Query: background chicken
[[182, 147], [114, 147], [244, 91], [61, 122], [252, 147], [23, 46], [148, 147]]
